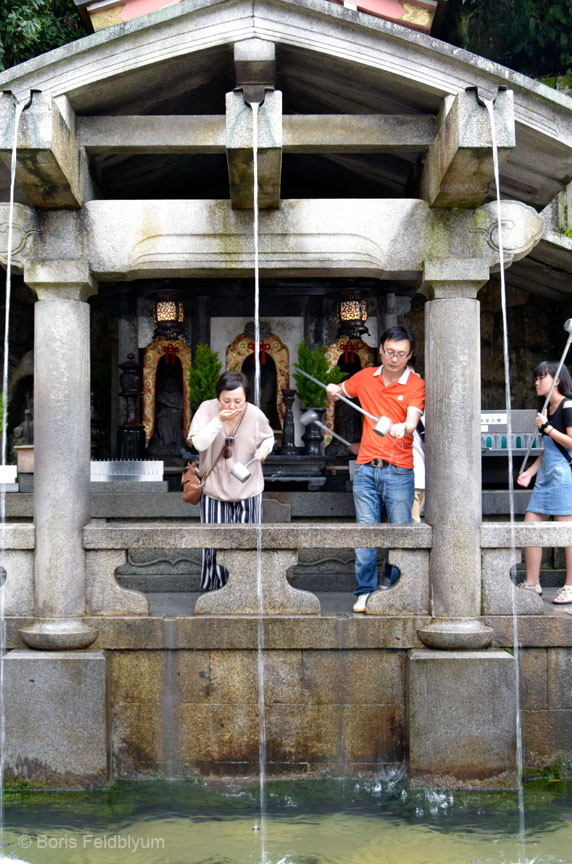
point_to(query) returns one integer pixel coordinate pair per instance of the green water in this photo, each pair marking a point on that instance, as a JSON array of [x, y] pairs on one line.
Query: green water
[[354, 822]]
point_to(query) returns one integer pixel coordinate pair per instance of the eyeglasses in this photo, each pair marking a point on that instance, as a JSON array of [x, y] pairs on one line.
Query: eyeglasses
[[401, 354], [227, 451]]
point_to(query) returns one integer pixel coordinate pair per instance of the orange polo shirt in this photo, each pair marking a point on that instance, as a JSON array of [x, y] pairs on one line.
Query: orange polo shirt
[[391, 401]]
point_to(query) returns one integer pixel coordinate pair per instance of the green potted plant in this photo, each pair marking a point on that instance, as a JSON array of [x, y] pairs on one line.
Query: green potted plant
[[315, 364], [203, 375], [312, 395]]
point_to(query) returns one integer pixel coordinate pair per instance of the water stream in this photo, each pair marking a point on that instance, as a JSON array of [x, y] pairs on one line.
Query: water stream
[[508, 404], [259, 588], [19, 108]]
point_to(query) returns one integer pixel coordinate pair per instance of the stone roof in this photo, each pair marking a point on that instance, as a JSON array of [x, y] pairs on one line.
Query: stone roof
[[329, 60]]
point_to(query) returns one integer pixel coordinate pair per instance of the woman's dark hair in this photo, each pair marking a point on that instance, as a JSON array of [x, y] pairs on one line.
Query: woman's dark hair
[[230, 381], [550, 367]]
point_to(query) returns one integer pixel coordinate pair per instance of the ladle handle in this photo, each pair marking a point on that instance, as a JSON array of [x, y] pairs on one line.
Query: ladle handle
[[331, 432], [339, 396]]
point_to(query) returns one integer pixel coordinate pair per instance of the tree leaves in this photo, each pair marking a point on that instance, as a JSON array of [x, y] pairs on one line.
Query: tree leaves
[[31, 27], [530, 36]]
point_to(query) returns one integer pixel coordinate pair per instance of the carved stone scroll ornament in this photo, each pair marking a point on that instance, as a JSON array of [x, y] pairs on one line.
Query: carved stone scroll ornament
[[23, 230], [522, 229]]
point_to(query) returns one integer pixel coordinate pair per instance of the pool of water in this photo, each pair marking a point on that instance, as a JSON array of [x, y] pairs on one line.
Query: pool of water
[[355, 822]]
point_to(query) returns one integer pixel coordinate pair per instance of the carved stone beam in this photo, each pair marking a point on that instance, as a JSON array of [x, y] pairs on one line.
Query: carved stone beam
[[254, 63], [474, 234], [459, 166], [304, 133], [51, 168], [25, 228]]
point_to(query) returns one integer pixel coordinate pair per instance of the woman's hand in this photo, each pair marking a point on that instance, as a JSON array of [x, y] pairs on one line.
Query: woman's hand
[[229, 414], [525, 478], [262, 453], [541, 419]]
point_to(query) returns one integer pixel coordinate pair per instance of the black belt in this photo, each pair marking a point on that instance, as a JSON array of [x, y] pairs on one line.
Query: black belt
[[379, 463]]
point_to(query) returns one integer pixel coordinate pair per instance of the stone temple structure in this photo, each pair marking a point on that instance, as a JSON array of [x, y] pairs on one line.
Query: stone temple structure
[[135, 173]]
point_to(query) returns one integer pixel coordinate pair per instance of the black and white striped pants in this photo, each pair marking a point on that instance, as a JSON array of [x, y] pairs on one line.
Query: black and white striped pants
[[215, 512]]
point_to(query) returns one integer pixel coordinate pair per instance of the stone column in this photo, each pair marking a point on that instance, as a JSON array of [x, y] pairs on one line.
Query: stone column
[[453, 451], [62, 453]]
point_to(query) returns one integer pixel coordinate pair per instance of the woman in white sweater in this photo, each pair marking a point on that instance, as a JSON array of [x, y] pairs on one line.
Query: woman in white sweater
[[226, 430]]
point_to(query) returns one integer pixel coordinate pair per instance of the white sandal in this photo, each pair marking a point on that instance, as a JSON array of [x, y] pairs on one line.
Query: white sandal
[[534, 587], [563, 596]]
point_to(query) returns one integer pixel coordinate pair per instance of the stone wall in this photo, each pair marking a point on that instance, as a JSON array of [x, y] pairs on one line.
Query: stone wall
[[331, 713], [546, 680], [327, 713]]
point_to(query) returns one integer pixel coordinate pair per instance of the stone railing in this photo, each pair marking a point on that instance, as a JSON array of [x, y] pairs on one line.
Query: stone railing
[[257, 555], [501, 544], [17, 542], [106, 549]]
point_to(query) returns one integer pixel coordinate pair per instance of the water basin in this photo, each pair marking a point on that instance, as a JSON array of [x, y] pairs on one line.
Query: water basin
[[355, 822]]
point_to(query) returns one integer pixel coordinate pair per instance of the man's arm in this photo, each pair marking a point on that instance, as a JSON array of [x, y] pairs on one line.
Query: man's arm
[[398, 430]]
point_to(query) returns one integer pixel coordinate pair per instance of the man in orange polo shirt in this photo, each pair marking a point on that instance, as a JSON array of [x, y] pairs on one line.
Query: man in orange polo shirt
[[384, 472]]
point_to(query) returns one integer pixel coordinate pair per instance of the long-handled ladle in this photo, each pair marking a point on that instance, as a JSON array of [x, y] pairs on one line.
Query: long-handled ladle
[[310, 416], [382, 424]]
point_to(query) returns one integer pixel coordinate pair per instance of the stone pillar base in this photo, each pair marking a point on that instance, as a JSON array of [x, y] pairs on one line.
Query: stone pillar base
[[462, 718], [53, 634], [461, 634], [55, 710]]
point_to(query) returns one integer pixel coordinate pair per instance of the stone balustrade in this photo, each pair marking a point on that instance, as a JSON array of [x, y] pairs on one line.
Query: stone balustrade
[[17, 543], [106, 549], [501, 543]]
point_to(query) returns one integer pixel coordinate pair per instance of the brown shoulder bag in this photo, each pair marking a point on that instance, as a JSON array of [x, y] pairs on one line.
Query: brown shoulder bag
[[192, 483]]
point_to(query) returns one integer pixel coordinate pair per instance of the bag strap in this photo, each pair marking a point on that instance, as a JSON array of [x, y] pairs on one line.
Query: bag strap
[[203, 479], [565, 452]]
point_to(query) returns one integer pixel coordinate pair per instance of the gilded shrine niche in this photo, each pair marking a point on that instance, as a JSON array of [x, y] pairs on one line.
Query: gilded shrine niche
[[166, 396], [350, 355], [274, 369]]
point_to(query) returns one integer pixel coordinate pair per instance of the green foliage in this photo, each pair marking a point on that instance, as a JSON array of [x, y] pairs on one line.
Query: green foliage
[[531, 36], [315, 363], [31, 27], [557, 771], [203, 375]]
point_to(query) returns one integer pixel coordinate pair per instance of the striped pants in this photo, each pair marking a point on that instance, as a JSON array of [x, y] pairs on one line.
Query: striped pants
[[215, 512]]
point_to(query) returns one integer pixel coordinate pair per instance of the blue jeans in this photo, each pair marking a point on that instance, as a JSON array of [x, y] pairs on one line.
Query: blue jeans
[[374, 489]]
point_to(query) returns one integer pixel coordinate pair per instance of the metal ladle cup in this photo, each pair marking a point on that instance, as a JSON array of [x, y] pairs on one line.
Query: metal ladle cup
[[241, 472]]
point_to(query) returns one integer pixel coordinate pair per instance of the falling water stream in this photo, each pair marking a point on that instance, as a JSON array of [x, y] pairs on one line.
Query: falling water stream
[[20, 106], [260, 635], [508, 401]]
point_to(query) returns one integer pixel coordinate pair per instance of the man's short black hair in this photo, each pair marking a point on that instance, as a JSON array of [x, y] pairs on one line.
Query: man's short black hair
[[398, 334]]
